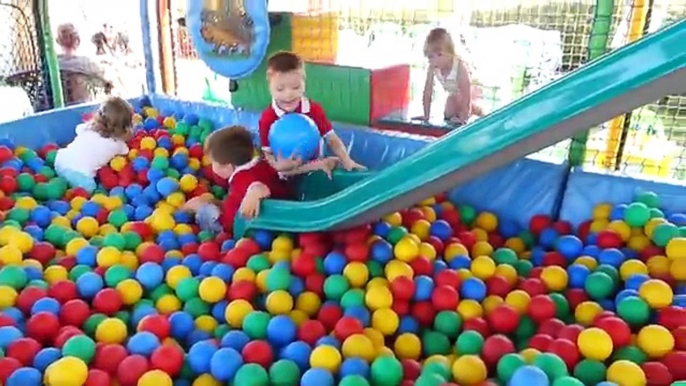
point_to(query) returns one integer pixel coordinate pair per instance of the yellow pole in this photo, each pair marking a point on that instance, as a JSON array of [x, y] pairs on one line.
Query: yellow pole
[[639, 14]]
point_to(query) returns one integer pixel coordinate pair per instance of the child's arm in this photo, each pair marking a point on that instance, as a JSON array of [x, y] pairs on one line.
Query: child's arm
[[335, 144], [464, 86], [324, 164], [250, 206], [428, 92]]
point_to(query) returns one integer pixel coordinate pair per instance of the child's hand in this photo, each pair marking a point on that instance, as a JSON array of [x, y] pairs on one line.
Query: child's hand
[[350, 165], [284, 164], [250, 207], [327, 165], [194, 203]]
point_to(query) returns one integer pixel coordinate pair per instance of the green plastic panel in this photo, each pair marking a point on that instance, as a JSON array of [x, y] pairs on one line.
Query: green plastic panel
[[609, 80]]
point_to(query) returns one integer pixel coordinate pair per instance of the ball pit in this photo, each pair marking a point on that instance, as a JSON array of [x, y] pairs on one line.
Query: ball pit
[[121, 288]]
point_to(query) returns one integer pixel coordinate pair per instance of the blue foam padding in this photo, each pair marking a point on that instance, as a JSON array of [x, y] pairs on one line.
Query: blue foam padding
[[588, 188], [515, 192], [149, 41]]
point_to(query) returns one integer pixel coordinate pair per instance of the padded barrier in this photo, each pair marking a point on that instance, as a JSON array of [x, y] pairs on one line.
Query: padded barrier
[[588, 188]]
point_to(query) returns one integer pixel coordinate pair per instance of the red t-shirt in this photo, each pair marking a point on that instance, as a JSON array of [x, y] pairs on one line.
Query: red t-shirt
[[308, 107], [257, 170]]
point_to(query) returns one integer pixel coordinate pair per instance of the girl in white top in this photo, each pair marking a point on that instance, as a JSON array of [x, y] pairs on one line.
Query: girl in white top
[[96, 143], [446, 67]]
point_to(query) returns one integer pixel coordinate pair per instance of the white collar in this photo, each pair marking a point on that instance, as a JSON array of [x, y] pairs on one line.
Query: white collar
[[244, 167], [304, 107]]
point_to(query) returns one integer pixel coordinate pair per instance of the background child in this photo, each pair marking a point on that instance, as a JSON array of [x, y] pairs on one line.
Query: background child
[[452, 72], [251, 179], [96, 143], [286, 76]]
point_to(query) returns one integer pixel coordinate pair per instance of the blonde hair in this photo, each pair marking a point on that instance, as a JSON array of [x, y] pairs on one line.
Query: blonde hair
[[67, 36], [439, 40], [114, 119]]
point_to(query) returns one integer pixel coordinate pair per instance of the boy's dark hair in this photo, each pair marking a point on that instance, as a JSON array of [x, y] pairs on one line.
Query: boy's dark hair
[[230, 146], [114, 119], [282, 62]]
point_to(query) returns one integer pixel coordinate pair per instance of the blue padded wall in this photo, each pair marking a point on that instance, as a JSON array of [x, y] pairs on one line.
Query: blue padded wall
[[586, 189]]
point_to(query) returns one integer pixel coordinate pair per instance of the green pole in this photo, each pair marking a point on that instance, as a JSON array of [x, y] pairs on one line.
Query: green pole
[[50, 55], [597, 46]]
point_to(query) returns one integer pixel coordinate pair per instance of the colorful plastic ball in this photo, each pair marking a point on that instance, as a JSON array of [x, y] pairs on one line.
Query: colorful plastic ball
[[155, 378], [626, 373], [386, 371], [657, 293], [326, 357], [295, 134], [595, 343], [529, 376], [655, 340], [111, 330], [66, 371], [225, 364], [317, 377], [469, 370]]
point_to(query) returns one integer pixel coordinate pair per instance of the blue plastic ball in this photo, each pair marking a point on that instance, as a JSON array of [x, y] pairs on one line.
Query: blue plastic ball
[[181, 324], [473, 288], [25, 376], [295, 135], [143, 343], [9, 334], [46, 357], [200, 356], [317, 377], [89, 284], [529, 376], [298, 352], [166, 186], [225, 363], [235, 339], [46, 305], [281, 330], [354, 366], [569, 246], [150, 275]]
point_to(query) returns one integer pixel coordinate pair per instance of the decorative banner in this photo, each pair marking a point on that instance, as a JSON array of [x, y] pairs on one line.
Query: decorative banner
[[230, 36]]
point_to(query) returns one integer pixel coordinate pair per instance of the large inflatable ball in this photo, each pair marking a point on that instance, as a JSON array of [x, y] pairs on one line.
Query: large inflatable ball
[[295, 135]]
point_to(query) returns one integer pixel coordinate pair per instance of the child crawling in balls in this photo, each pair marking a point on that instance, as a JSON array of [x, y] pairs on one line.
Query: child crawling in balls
[[251, 179], [286, 77], [97, 142]]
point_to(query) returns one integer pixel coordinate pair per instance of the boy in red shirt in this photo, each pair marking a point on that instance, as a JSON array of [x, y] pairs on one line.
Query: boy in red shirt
[[251, 179], [286, 77]]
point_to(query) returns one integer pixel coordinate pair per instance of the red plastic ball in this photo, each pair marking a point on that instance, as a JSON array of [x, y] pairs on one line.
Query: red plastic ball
[[437, 244], [64, 334], [347, 326], [657, 374], [567, 351], [478, 324], [209, 251], [157, 324], [551, 327], [424, 313], [329, 316], [679, 335], [576, 296], [74, 312], [6, 321], [448, 277], [28, 296], [422, 266], [402, 288], [503, 319], [498, 285], [167, 358], [533, 287], [237, 257], [43, 327], [358, 251], [495, 346], [311, 331], [445, 298], [97, 378], [63, 291], [538, 223], [554, 258], [131, 369], [152, 253], [258, 351], [401, 307], [108, 357], [107, 301], [411, 369], [43, 252], [541, 342], [541, 308], [242, 289], [608, 238], [618, 330], [675, 363], [23, 350], [672, 317], [570, 332], [7, 367], [315, 283], [304, 265]]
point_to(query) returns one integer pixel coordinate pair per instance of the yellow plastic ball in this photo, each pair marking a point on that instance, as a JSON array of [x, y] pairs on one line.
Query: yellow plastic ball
[[7, 233], [148, 143], [407, 346], [244, 273], [108, 256], [586, 312], [167, 304], [111, 330], [638, 243], [66, 371], [587, 262], [298, 317], [377, 338], [130, 291], [632, 267], [10, 255], [487, 221], [529, 354], [677, 269], [421, 229], [26, 203], [378, 297], [656, 293], [482, 248], [469, 309], [483, 267], [626, 373], [676, 248], [621, 228], [360, 346], [326, 357], [377, 282], [206, 380], [236, 311], [206, 323], [87, 226], [406, 249], [282, 243], [519, 300], [397, 268], [176, 274], [658, 265], [655, 340], [469, 370], [491, 303], [188, 182], [602, 211], [453, 250], [599, 225], [55, 273], [23, 241], [308, 302], [279, 302], [386, 321], [555, 278], [261, 280], [394, 219], [429, 213], [8, 295], [212, 289], [428, 251], [357, 274], [155, 378], [516, 244], [595, 343], [118, 163], [162, 221], [480, 234]]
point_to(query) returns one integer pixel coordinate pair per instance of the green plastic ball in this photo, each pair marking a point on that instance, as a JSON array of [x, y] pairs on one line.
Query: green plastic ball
[[590, 372], [507, 365], [13, 276], [115, 240], [196, 307], [386, 371], [599, 285], [284, 372], [649, 199], [79, 346], [395, 234], [187, 289], [352, 297], [436, 367], [133, 240], [92, 323], [634, 310], [567, 381], [630, 353], [117, 218], [435, 343], [505, 256], [160, 162], [448, 323], [467, 214], [255, 324], [663, 233], [251, 374], [258, 263], [19, 215], [552, 365], [25, 182], [116, 274], [636, 214], [354, 380], [335, 286], [469, 343]]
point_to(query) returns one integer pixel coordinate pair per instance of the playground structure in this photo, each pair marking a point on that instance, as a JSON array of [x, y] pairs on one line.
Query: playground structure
[[510, 203]]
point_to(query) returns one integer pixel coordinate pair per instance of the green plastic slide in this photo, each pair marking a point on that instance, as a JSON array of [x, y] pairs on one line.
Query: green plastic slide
[[621, 81]]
